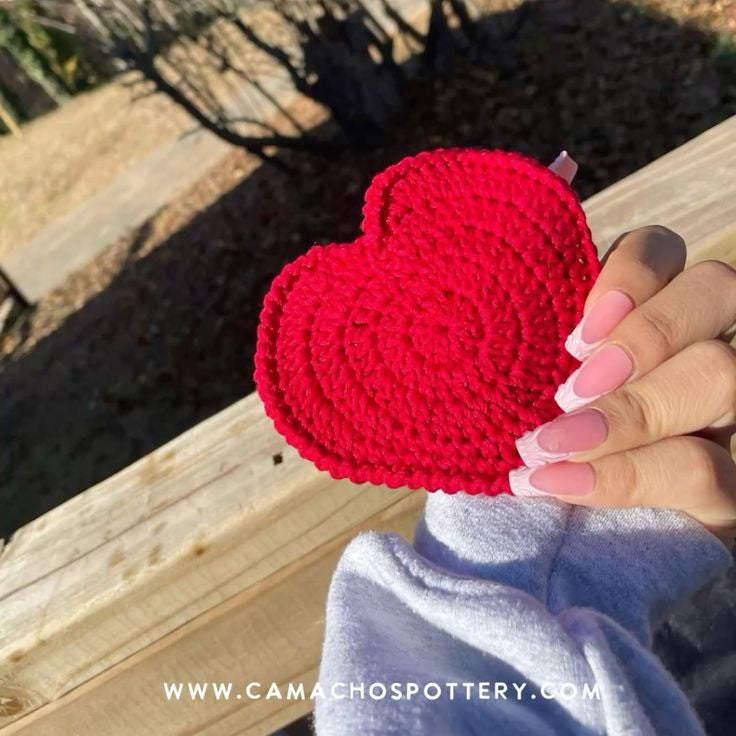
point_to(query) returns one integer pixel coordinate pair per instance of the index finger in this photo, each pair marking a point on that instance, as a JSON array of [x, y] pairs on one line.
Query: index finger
[[638, 265]]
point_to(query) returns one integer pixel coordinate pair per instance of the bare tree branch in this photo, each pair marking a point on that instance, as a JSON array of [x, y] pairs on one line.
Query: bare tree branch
[[217, 58]]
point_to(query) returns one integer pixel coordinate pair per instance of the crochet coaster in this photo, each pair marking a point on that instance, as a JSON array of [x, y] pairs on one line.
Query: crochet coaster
[[415, 355]]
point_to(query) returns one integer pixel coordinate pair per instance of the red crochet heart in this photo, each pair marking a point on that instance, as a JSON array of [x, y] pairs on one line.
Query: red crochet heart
[[415, 355]]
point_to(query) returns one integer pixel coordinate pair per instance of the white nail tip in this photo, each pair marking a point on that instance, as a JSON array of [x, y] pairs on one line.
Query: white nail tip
[[520, 484], [566, 397], [532, 454], [564, 166], [576, 346], [561, 156]]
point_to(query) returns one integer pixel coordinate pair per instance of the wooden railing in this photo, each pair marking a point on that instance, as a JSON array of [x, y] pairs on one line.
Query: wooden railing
[[209, 559]]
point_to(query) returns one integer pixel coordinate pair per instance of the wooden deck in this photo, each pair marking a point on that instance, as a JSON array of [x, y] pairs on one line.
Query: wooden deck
[[209, 559]]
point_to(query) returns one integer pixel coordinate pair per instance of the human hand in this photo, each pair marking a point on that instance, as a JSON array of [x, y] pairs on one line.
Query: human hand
[[651, 411]]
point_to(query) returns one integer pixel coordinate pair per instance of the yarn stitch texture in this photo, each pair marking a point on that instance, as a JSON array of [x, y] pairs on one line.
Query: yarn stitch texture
[[415, 355]]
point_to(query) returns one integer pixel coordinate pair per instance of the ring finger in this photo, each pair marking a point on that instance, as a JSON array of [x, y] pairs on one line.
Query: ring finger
[[692, 391]]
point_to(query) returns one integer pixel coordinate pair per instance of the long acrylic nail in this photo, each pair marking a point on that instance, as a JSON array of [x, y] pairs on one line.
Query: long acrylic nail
[[557, 479], [598, 323], [564, 165], [603, 372], [560, 438]]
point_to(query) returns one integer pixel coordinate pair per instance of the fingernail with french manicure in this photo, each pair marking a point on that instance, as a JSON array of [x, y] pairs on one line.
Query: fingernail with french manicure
[[557, 479], [598, 324], [565, 166], [560, 438], [600, 374]]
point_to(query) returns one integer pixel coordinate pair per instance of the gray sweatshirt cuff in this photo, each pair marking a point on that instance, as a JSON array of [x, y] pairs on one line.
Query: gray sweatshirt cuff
[[633, 565]]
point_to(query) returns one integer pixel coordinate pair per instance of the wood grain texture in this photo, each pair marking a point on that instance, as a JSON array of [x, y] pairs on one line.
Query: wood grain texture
[[691, 190], [170, 545], [209, 560]]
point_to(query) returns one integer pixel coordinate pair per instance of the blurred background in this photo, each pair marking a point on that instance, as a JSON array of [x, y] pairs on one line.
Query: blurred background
[[160, 161]]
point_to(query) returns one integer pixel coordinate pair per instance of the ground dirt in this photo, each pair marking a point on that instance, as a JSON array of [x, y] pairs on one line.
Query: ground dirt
[[70, 154]]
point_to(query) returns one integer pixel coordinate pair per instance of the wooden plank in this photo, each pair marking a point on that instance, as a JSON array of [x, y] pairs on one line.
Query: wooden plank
[[268, 632], [167, 544], [135, 195], [691, 190], [209, 561]]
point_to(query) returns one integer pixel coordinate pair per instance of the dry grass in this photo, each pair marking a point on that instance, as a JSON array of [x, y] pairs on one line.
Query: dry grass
[[71, 153]]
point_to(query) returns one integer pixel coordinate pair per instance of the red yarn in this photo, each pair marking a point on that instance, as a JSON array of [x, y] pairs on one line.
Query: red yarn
[[415, 355]]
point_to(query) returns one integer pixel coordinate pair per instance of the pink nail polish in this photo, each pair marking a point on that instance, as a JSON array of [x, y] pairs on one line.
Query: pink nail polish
[[603, 372], [557, 479], [558, 439], [598, 323]]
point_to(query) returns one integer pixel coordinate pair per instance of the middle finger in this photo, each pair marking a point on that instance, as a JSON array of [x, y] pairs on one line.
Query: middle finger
[[692, 390]]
